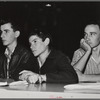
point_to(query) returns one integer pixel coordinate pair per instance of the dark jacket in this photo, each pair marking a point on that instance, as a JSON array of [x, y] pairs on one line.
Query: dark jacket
[[18, 62], [57, 69]]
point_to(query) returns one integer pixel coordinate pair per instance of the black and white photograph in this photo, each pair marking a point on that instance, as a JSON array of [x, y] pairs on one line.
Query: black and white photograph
[[50, 49]]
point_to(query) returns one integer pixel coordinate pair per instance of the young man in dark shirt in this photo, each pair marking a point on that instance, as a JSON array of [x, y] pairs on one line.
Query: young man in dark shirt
[[52, 65], [15, 57]]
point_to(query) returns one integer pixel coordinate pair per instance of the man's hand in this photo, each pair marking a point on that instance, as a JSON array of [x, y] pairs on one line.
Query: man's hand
[[36, 77], [25, 74], [33, 78], [85, 45], [81, 76], [42, 78]]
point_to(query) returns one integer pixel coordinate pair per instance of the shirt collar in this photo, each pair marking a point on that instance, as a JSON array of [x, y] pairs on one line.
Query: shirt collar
[[9, 53], [96, 48]]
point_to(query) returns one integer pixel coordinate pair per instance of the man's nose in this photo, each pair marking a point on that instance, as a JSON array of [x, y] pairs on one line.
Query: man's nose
[[87, 38], [1, 35], [32, 46]]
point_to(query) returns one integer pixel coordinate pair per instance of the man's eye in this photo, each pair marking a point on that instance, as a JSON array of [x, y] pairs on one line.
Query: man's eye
[[93, 33], [6, 31], [35, 41]]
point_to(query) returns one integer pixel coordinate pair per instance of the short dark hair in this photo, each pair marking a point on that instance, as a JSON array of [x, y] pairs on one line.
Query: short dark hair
[[95, 22], [13, 23], [41, 33]]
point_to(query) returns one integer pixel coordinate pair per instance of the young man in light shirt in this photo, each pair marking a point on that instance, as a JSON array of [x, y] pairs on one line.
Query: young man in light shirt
[[86, 60]]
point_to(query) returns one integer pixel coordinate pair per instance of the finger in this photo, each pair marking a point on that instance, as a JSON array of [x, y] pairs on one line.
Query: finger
[[23, 71], [36, 77], [82, 40], [40, 80], [27, 74], [31, 79], [21, 77]]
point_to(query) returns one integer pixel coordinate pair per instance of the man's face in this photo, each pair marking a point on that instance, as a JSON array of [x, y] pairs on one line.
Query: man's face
[[92, 35], [7, 34], [37, 45]]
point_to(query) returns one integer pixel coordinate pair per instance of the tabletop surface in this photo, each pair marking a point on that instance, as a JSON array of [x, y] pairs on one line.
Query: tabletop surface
[[46, 90]]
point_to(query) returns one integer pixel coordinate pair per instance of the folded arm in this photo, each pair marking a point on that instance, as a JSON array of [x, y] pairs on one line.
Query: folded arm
[[83, 77]]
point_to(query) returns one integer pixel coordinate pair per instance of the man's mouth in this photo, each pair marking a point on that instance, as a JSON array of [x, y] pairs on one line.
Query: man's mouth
[[33, 50], [3, 40]]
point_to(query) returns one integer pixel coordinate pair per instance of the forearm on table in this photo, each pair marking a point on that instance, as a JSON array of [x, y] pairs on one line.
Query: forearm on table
[[84, 77]]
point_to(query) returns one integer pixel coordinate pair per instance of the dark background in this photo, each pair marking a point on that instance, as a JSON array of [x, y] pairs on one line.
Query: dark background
[[65, 20]]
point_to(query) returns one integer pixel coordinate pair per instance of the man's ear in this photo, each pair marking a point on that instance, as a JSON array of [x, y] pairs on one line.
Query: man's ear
[[47, 41], [17, 33]]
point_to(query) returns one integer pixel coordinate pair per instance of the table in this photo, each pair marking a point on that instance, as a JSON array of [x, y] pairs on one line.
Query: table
[[44, 90]]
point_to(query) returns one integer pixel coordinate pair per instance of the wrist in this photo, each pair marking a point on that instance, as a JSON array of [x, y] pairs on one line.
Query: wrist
[[89, 51], [42, 78]]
